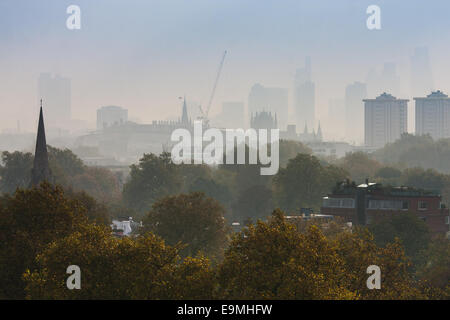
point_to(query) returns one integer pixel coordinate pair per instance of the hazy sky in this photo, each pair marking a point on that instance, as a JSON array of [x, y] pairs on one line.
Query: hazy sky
[[144, 54]]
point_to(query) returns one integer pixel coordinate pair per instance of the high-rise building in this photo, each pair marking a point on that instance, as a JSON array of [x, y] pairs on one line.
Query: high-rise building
[[421, 73], [232, 115], [111, 115], [385, 119], [56, 92], [304, 96], [274, 100], [354, 111], [433, 115]]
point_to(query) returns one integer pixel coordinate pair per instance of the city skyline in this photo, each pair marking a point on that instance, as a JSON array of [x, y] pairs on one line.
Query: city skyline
[[161, 59]]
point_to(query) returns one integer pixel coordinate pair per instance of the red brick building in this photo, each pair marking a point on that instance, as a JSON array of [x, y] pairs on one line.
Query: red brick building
[[370, 202]]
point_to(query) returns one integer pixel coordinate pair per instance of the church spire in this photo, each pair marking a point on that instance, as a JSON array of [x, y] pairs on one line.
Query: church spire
[[319, 133], [306, 128], [41, 169], [184, 115]]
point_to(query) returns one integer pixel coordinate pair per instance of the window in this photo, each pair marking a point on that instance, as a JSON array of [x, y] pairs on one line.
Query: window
[[423, 205], [447, 220], [405, 205]]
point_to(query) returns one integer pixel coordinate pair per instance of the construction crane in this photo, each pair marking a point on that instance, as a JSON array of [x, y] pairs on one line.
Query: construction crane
[[204, 114]]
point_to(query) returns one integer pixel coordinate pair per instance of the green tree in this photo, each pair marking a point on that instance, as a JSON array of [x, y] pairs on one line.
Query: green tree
[[412, 232], [130, 268], [191, 219], [15, 171], [303, 183], [153, 178], [29, 220]]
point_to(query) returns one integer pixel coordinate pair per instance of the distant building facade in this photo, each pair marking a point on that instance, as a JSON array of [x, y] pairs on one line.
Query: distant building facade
[[433, 115], [263, 120], [111, 115], [128, 141], [421, 72], [370, 202], [232, 115], [304, 96], [385, 120], [355, 93], [57, 94]]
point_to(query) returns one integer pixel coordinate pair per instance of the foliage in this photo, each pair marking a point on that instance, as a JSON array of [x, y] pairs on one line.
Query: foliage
[[153, 178], [303, 183], [29, 220], [129, 268], [191, 219]]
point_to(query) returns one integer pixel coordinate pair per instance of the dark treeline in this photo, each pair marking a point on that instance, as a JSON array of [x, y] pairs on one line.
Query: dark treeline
[[186, 248]]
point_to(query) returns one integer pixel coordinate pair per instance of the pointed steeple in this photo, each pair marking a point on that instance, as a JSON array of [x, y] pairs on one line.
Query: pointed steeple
[[306, 128], [184, 114], [41, 170], [319, 133]]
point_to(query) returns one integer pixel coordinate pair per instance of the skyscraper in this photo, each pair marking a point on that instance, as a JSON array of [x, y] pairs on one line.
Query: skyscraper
[[433, 115], [304, 96], [56, 92], [421, 73], [354, 111], [274, 100], [385, 119], [232, 115]]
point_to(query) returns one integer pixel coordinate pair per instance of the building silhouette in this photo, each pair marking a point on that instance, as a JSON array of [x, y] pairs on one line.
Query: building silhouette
[[421, 72], [433, 115], [263, 120], [271, 99], [354, 111], [385, 119], [41, 170], [304, 96], [111, 115]]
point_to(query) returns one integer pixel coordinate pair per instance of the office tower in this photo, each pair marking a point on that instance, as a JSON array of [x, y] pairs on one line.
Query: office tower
[[304, 96], [433, 115], [232, 115], [55, 91], [274, 100], [390, 81], [111, 115], [421, 73], [385, 119], [354, 111]]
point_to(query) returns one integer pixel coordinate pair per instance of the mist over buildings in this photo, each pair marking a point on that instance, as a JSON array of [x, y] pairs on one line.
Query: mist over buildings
[[307, 62]]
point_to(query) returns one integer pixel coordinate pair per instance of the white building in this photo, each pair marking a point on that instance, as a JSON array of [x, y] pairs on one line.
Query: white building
[[385, 119], [433, 115]]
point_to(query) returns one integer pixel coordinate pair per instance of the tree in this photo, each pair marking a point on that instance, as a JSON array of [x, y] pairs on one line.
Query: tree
[[15, 171], [271, 260], [435, 266], [29, 220], [254, 203], [130, 268], [412, 232], [360, 166], [289, 150], [153, 178], [192, 219], [303, 183]]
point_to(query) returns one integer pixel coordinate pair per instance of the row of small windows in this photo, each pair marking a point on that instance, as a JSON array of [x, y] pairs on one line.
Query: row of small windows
[[373, 204]]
